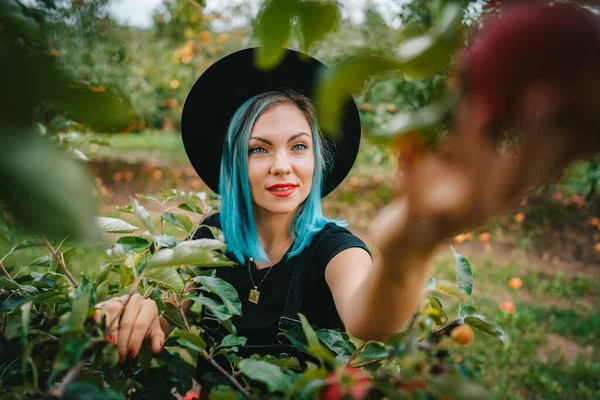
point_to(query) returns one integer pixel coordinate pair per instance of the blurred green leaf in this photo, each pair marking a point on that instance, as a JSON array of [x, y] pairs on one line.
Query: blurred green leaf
[[316, 19], [448, 288], [273, 29], [46, 191], [432, 51], [347, 77], [114, 225], [200, 252], [425, 120], [267, 373], [79, 312]]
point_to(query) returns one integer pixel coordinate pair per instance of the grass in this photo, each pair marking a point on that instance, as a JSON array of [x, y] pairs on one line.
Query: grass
[[517, 368]]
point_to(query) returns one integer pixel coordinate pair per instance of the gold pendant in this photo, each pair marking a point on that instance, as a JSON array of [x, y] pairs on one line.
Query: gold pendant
[[254, 296]]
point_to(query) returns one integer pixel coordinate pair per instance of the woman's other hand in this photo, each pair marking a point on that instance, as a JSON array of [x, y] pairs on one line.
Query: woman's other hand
[[130, 323]]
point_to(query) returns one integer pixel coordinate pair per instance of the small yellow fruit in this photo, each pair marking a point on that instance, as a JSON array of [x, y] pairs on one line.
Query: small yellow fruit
[[515, 283], [484, 237], [520, 217], [508, 307], [462, 334]]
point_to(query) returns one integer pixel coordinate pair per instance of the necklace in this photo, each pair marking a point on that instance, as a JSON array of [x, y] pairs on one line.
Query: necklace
[[254, 295]]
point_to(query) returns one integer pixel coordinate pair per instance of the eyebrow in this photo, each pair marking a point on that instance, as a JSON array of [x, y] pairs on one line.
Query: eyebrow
[[267, 141]]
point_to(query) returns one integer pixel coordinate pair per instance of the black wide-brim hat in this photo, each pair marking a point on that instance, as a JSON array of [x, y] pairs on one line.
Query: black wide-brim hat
[[232, 80]]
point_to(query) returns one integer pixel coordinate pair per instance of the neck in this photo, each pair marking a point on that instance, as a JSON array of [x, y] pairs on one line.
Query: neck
[[274, 233]]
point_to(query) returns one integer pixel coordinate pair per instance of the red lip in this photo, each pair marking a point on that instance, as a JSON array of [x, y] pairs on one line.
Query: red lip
[[282, 185]]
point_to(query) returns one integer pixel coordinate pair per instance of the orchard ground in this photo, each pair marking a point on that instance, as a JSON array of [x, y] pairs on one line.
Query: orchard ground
[[548, 241]]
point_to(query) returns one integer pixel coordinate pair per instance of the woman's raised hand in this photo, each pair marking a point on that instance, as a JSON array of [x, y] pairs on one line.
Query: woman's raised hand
[[130, 323], [470, 178]]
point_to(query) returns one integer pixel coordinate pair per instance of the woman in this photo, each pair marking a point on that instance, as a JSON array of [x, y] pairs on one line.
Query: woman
[[257, 143]]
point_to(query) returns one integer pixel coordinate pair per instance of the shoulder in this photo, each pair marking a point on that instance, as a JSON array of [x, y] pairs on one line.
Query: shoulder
[[332, 240]]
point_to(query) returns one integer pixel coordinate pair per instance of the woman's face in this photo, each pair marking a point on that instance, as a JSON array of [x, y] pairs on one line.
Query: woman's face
[[280, 160]]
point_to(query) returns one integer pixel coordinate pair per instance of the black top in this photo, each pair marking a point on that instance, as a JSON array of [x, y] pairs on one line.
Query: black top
[[259, 322]]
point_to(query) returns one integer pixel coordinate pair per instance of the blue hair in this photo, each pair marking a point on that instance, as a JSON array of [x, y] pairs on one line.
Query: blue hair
[[237, 217]]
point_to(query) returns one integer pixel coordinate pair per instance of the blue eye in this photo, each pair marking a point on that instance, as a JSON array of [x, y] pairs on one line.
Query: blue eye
[[302, 147], [256, 150]]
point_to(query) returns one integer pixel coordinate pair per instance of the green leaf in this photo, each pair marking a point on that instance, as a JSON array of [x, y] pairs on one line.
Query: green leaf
[[165, 241], [142, 215], [27, 244], [133, 243], [373, 351], [165, 276], [273, 29], [158, 298], [114, 225], [337, 341], [216, 232], [348, 76], [233, 340], [423, 120], [224, 290], [180, 220], [431, 52], [173, 315], [11, 284], [490, 327], [219, 310], [435, 302], [267, 373], [187, 207], [316, 18], [48, 192], [298, 339], [466, 310], [125, 209], [189, 340], [316, 349], [79, 312], [448, 288], [200, 252], [463, 272], [43, 261]]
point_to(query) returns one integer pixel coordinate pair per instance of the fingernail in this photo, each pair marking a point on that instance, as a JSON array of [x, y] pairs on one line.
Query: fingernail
[[120, 358], [111, 339], [132, 353]]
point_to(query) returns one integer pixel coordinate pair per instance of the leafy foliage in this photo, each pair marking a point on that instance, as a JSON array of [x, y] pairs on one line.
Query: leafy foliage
[[54, 347]]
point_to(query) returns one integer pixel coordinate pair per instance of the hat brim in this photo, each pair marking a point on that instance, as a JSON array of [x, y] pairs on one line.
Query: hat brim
[[232, 80]]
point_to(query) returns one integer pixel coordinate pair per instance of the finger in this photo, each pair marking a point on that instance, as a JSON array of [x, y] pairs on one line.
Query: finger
[[126, 324], [148, 313], [114, 309], [156, 336]]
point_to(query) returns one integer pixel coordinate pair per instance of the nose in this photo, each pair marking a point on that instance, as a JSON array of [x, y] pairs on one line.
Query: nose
[[281, 164]]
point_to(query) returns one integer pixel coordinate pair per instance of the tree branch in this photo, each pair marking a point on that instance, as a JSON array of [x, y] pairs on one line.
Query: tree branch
[[5, 271], [209, 357], [353, 356], [60, 262]]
